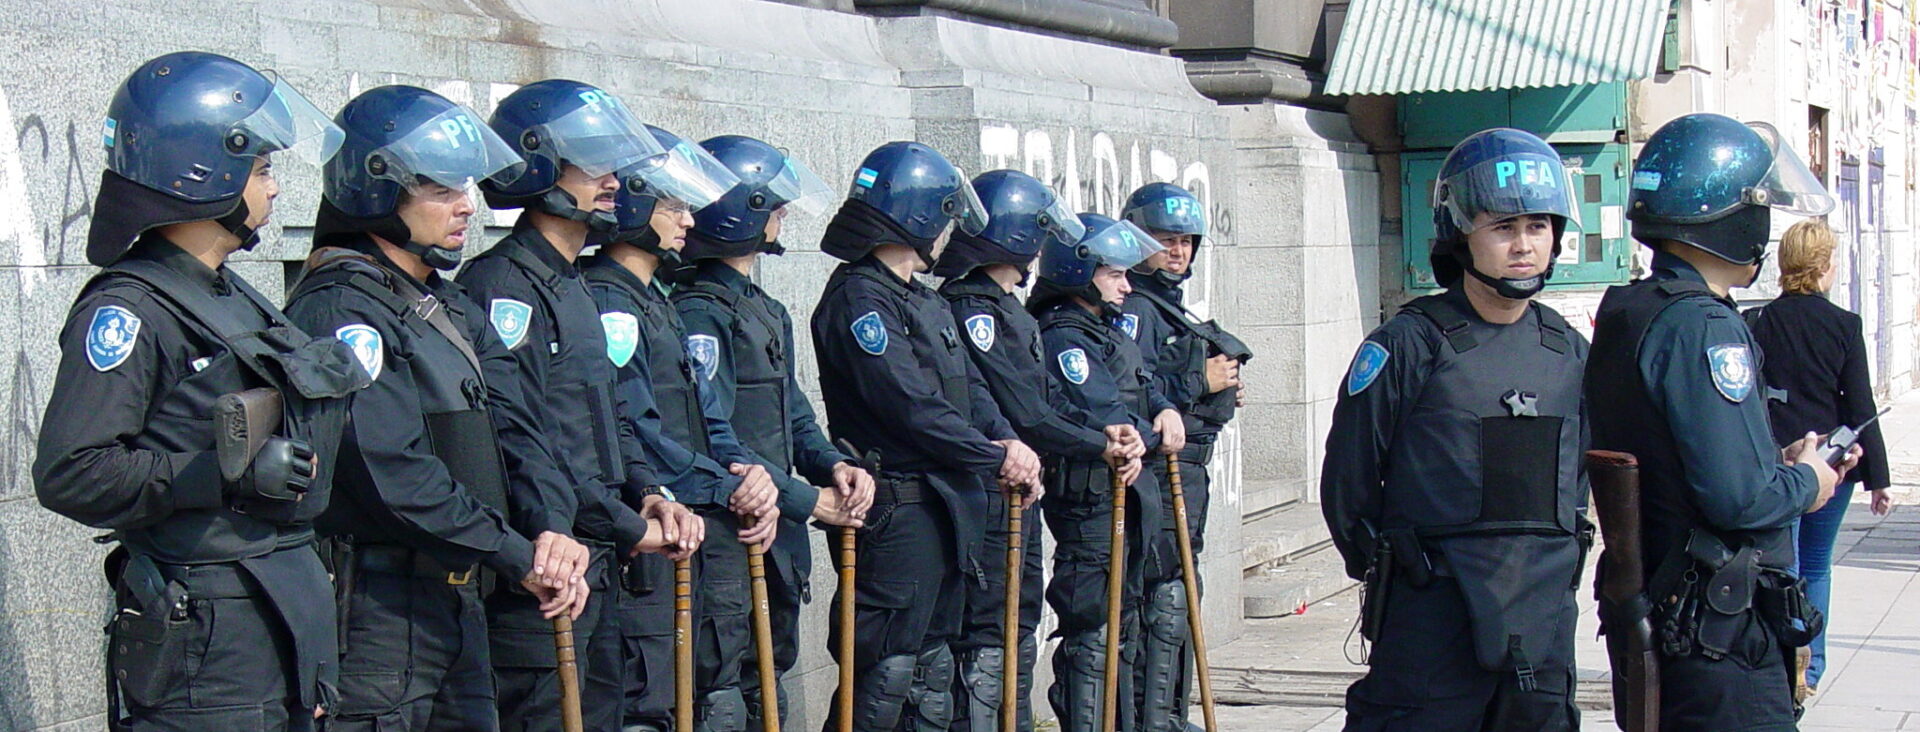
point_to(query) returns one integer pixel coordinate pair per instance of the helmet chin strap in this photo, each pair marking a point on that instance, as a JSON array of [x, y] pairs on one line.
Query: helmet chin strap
[[440, 258], [235, 222], [558, 202], [1512, 288]]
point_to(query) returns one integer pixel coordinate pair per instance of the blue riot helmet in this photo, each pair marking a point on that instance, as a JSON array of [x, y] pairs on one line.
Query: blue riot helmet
[[400, 139], [181, 137], [903, 193], [1502, 173], [686, 176], [555, 123], [1067, 269], [1709, 181], [735, 224], [1022, 214], [1161, 208]]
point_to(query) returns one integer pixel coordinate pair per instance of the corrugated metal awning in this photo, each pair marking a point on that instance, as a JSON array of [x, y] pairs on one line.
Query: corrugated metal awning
[[1409, 46]]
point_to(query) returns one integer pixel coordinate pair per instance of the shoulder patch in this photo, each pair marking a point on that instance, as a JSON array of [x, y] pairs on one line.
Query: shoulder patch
[[982, 329], [111, 336], [870, 333], [367, 346], [509, 319], [1073, 365], [705, 352], [623, 336], [1367, 365], [1130, 324], [1732, 370]]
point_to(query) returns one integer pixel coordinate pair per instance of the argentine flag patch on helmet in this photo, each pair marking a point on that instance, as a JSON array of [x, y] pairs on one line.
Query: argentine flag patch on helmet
[[623, 336], [1073, 365], [509, 319], [367, 346], [1367, 365], [110, 337], [1732, 370], [870, 333], [705, 352], [982, 330]]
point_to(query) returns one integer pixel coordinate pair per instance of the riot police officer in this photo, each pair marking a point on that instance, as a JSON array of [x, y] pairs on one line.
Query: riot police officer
[[208, 527], [697, 457], [982, 273], [422, 491], [573, 137], [1197, 365], [1672, 381], [897, 382], [1099, 370], [1452, 479], [741, 341]]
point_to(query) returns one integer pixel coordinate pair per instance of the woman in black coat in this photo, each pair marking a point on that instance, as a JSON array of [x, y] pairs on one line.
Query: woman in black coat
[[1816, 352]]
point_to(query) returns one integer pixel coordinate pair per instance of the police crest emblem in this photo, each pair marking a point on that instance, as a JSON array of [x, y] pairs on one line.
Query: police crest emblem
[[623, 336], [1366, 367], [1732, 369], [705, 352], [870, 333], [982, 329], [110, 337], [1073, 365], [1130, 325], [510, 319], [367, 346]]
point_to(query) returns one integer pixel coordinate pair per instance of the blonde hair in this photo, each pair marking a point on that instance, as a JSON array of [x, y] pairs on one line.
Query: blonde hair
[[1806, 250]]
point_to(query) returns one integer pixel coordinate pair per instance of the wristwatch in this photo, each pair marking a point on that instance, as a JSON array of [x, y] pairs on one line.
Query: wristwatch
[[658, 490]]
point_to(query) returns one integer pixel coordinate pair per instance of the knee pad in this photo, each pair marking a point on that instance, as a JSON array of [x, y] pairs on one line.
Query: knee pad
[[1161, 668], [724, 710], [880, 693], [1029, 655], [982, 675], [930, 697], [1079, 673]]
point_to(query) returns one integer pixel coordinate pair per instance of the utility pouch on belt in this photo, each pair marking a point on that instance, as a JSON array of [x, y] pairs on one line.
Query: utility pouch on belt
[[242, 423], [633, 576], [1409, 558], [1782, 602], [148, 639]]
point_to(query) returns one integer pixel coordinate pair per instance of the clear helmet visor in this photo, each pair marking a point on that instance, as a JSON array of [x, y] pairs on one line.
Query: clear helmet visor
[[796, 186], [287, 122], [600, 136], [1057, 221], [455, 149], [964, 207], [1789, 185], [1121, 244], [1509, 186], [687, 173]]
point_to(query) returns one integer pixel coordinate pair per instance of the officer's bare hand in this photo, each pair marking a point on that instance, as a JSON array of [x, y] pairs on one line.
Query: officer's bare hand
[[833, 508], [570, 599], [1173, 431], [855, 486], [1129, 470], [558, 560], [1852, 461], [1807, 450], [682, 528], [1021, 465], [1222, 373], [765, 527], [1123, 442], [756, 494]]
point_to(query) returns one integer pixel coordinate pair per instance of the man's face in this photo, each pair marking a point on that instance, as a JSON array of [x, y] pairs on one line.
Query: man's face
[[773, 223], [589, 193], [1112, 283], [437, 215], [671, 220], [1178, 257], [260, 191], [1513, 248]]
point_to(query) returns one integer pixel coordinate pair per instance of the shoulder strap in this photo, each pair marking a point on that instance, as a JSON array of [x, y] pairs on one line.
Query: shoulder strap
[[430, 309], [1554, 330], [1446, 316], [190, 298], [361, 272]]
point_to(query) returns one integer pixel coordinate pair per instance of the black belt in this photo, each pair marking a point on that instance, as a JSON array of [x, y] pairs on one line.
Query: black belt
[[389, 559], [1197, 452], [213, 581], [900, 489]]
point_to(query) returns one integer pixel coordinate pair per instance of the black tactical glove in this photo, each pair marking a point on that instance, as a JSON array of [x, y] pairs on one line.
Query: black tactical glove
[[277, 478]]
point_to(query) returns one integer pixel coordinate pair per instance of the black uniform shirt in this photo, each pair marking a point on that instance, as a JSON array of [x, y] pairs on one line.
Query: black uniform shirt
[[1007, 351], [1087, 357]]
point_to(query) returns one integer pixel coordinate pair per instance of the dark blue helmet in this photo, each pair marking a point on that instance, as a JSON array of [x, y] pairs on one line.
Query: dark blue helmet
[[686, 176], [181, 136], [735, 224], [1118, 244], [903, 193], [555, 123], [1022, 214], [1709, 181], [1492, 176], [1165, 207]]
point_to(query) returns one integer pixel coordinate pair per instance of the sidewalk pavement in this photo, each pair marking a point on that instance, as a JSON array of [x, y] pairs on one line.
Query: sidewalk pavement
[[1291, 673]]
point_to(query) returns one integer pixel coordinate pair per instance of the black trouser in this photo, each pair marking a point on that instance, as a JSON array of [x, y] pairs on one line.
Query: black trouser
[[906, 611], [646, 632], [523, 655], [415, 653], [1082, 528], [983, 624], [1423, 674], [723, 629], [1196, 488], [232, 668], [1748, 689], [787, 591]]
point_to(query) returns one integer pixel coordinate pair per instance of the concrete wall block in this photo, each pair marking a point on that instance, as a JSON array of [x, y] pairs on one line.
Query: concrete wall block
[[343, 12], [1273, 435], [440, 22]]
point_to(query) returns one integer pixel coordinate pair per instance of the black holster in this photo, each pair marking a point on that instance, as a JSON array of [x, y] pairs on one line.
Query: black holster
[[1783, 605], [148, 637]]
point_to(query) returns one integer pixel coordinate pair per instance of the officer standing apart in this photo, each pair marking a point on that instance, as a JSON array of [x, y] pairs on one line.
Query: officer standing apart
[[573, 137], [1188, 364], [982, 272], [1099, 370], [698, 458], [897, 382], [740, 340], [422, 490], [1672, 381], [205, 530]]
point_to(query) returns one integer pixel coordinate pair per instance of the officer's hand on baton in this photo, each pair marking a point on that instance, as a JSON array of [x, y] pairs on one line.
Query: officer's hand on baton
[[1129, 470], [570, 600], [764, 529], [832, 508], [1021, 465], [558, 561], [1173, 431], [1222, 372], [1123, 443], [1807, 450], [756, 495], [678, 524], [855, 486]]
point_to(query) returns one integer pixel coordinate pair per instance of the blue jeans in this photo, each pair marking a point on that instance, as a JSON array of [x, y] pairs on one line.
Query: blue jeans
[[1815, 534]]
